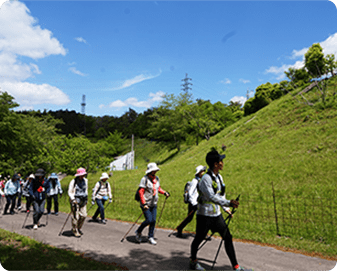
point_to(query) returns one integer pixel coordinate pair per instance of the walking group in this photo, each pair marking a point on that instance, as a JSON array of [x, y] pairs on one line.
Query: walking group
[[205, 196]]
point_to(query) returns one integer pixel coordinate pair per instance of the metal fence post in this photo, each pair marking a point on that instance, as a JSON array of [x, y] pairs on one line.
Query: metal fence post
[[275, 212]]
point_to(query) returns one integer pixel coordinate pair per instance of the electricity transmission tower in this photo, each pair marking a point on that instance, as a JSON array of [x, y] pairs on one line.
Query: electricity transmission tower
[[83, 112], [186, 84]]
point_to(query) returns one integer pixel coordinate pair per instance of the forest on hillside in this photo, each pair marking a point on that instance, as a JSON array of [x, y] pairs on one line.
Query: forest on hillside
[[62, 141]]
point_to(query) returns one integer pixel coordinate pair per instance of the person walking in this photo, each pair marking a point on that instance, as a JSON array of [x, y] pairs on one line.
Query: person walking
[[25, 192], [149, 188], [21, 181], [192, 199], [101, 193], [78, 196], [209, 217], [38, 190], [12, 188], [55, 190]]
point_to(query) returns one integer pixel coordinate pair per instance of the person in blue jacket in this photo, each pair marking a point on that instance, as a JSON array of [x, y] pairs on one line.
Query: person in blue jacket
[[55, 189], [12, 189], [38, 190]]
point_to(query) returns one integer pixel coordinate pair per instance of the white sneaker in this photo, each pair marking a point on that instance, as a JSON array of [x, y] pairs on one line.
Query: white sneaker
[[138, 237], [152, 241], [35, 227]]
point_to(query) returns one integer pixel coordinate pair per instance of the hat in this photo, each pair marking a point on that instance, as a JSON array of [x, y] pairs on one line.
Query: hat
[[40, 172], [200, 168], [53, 176], [15, 177], [152, 167], [80, 172], [31, 176], [214, 157], [104, 176]]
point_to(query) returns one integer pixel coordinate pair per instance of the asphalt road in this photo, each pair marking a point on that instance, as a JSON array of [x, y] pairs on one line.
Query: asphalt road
[[103, 243]]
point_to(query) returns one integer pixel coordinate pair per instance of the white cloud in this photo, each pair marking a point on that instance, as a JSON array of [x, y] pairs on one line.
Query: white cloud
[[245, 81], [75, 71], [132, 101], [28, 94], [137, 79], [329, 47], [80, 39], [20, 35], [226, 81], [239, 99]]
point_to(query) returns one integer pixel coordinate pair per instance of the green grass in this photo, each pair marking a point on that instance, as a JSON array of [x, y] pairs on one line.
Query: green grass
[[22, 253], [283, 158]]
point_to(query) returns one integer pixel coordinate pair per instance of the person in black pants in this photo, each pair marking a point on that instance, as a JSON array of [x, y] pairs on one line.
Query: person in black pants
[[192, 199], [209, 217]]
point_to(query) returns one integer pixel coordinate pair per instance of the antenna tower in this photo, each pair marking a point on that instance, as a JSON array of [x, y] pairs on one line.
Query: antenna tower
[[186, 83], [83, 112]]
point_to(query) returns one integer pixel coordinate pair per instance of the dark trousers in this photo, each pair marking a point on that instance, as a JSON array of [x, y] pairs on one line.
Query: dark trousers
[[150, 219], [29, 201], [38, 210], [19, 199], [10, 200], [191, 211], [56, 203], [215, 224], [100, 209]]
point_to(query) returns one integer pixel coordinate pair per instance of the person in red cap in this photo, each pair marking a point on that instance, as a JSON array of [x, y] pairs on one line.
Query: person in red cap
[[38, 190], [148, 192], [78, 196]]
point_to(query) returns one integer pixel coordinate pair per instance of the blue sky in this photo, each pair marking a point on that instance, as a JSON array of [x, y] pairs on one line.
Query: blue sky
[[123, 55]]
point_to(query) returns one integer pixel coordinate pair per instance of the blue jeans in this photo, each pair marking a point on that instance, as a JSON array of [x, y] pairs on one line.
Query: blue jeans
[[38, 210], [150, 219], [11, 199], [56, 203], [100, 209]]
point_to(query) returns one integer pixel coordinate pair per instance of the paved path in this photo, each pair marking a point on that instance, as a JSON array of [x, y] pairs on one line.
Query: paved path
[[103, 243]]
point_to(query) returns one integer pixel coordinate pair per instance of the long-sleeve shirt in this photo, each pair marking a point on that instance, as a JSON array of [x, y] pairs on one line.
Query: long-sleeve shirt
[[11, 188], [193, 191], [79, 189], [211, 199], [105, 190]]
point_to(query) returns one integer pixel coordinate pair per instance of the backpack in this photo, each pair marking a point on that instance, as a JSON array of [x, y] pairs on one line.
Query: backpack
[[186, 190]]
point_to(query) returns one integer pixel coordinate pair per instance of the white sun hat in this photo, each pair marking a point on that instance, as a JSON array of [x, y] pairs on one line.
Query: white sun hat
[[152, 167]]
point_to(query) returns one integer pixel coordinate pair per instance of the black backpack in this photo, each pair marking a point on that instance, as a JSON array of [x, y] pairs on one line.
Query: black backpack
[[186, 190]]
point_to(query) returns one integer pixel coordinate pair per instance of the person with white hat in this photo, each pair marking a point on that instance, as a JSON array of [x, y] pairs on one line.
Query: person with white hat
[[192, 199], [148, 193], [25, 192], [78, 196], [100, 194]]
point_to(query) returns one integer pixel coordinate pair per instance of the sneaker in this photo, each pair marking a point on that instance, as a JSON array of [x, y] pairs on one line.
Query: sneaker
[[152, 241], [19, 208], [27, 211], [76, 233], [179, 234], [80, 232], [138, 237], [103, 221], [195, 265], [35, 227], [239, 268], [56, 213]]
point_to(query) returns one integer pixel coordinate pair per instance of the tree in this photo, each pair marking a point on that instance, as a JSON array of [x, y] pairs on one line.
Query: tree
[[315, 61], [331, 64]]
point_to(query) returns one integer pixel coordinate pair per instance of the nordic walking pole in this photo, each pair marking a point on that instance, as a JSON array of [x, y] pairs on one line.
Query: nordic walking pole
[[162, 211], [181, 223], [229, 220], [131, 227], [24, 223], [65, 223]]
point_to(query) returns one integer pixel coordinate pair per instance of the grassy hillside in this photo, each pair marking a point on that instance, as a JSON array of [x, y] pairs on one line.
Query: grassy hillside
[[283, 162]]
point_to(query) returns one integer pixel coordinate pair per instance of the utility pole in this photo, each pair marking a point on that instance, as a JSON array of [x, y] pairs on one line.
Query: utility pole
[[83, 112], [186, 83]]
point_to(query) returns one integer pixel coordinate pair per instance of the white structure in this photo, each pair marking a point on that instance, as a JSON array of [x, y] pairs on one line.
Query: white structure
[[124, 162]]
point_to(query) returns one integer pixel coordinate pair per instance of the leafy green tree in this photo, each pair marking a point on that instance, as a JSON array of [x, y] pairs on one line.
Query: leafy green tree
[[315, 61], [298, 77], [331, 64]]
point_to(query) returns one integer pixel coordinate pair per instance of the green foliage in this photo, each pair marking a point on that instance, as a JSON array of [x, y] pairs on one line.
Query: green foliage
[[314, 61]]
